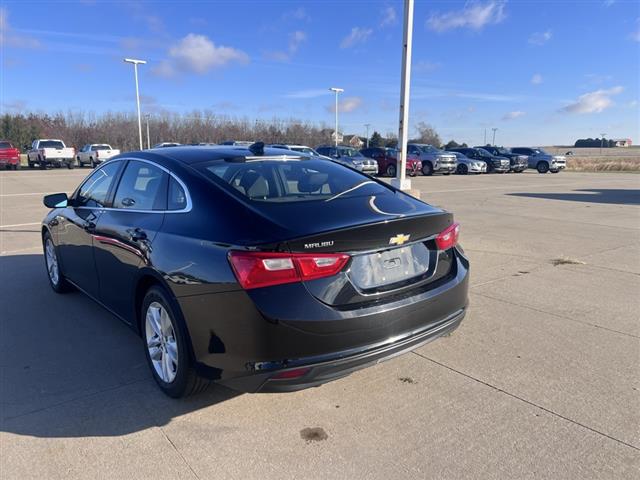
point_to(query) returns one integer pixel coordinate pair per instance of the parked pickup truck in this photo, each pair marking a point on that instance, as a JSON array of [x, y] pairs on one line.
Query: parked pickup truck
[[95, 153], [433, 160], [519, 163], [495, 164], [51, 152], [542, 161], [9, 156]]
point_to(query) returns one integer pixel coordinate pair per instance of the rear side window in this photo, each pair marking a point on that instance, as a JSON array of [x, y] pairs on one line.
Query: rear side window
[[289, 181], [177, 198], [142, 187], [93, 192]]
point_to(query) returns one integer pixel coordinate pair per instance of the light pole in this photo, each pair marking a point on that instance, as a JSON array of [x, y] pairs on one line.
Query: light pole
[[494, 136], [401, 180], [148, 137], [336, 90], [367, 137], [135, 72], [601, 141], [485, 136]]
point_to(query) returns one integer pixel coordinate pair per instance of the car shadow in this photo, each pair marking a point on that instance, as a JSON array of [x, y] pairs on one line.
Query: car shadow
[[591, 195], [69, 368]]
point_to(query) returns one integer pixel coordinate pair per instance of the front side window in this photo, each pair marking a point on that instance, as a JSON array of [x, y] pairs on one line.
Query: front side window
[[93, 192], [143, 187]]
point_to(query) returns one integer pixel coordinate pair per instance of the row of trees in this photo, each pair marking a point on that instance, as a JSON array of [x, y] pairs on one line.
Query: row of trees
[[594, 143], [121, 130]]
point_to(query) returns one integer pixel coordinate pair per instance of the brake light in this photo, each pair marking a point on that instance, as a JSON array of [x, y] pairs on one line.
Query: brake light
[[264, 269], [97, 153], [448, 238], [288, 374]]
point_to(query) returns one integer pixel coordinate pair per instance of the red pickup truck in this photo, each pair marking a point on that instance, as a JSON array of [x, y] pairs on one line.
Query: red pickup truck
[[9, 156]]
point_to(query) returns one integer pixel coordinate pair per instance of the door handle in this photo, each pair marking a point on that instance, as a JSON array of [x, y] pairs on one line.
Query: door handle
[[137, 234]]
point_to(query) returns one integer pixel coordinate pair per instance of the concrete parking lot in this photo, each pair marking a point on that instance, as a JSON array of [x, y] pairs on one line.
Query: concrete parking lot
[[542, 380]]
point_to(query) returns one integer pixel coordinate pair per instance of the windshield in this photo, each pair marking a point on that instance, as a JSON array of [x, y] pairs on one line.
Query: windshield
[[51, 144], [349, 152], [541, 151], [289, 181], [483, 152], [502, 151]]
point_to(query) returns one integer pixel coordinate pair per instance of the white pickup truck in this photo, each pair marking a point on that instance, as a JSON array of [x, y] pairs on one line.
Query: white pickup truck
[[48, 151], [95, 153]]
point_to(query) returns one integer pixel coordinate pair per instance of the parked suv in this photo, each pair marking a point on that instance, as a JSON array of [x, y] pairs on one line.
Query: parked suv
[[296, 148], [494, 163], [433, 160], [350, 157], [542, 161], [387, 159], [519, 163]]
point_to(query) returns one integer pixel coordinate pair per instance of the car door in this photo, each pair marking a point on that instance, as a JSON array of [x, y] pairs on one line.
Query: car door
[[77, 225], [125, 232]]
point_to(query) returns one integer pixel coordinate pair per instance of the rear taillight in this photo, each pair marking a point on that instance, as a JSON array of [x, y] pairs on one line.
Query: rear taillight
[[264, 269], [448, 238], [97, 153]]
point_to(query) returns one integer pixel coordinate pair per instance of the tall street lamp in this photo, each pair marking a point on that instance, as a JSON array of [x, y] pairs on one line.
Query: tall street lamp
[[602, 135], [494, 136], [135, 72], [336, 90], [148, 137]]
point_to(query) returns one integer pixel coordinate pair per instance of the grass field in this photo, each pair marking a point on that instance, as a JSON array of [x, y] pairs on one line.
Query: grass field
[[596, 160]]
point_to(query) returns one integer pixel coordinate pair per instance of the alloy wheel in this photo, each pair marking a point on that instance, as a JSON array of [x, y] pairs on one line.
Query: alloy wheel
[[52, 262], [161, 342]]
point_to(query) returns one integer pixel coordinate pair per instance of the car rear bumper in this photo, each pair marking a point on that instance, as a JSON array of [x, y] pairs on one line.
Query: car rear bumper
[[243, 339]]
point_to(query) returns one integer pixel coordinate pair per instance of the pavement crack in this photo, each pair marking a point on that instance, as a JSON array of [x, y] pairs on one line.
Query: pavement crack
[[528, 402], [179, 453], [557, 315]]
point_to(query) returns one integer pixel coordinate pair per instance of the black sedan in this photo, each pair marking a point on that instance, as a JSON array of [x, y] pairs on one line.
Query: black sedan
[[253, 269], [519, 163]]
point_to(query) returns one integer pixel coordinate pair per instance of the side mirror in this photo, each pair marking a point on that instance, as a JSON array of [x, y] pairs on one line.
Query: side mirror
[[56, 200]]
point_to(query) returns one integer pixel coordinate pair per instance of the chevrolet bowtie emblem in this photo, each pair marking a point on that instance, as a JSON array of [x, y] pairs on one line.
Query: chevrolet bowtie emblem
[[399, 239]]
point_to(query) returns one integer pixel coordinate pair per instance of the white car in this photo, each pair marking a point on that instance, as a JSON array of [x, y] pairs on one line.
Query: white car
[[51, 151], [465, 165], [297, 148], [95, 153]]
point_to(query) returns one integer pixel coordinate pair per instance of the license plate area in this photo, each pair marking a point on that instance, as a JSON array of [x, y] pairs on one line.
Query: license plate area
[[392, 269]]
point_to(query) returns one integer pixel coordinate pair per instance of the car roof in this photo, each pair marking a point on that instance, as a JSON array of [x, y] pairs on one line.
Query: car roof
[[191, 154]]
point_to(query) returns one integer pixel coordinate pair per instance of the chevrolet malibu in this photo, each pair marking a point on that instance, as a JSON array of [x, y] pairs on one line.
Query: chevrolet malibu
[[253, 269]]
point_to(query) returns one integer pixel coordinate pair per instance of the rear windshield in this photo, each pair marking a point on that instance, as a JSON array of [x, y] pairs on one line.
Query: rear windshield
[[5, 145], [51, 144], [100, 147], [289, 181]]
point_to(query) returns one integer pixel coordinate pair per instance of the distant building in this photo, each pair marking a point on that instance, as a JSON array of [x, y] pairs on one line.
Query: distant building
[[353, 140], [622, 142]]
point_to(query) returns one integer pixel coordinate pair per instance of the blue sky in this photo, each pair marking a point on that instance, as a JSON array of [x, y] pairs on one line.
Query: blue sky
[[542, 72]]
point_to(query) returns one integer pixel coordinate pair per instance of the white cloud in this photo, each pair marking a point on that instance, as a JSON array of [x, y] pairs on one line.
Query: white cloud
[[347, 104], [9, 38], [312, 93], [295, 40], [198, 54], [635, 36], [475, 15], [536, 79], [593, 102], [633, 103], [426, 66], [389, 17], [540, 38], [357, 35], [608, 3], [513, 115], [298, 14]]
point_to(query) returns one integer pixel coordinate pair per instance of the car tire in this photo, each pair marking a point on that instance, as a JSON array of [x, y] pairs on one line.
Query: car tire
[[41, 164], [462, 169], [56, 278], [30, 164], [92, 162], [555, 171], [391, 171], [71, 164], [427, 168], [542, 167], [167, 346]]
